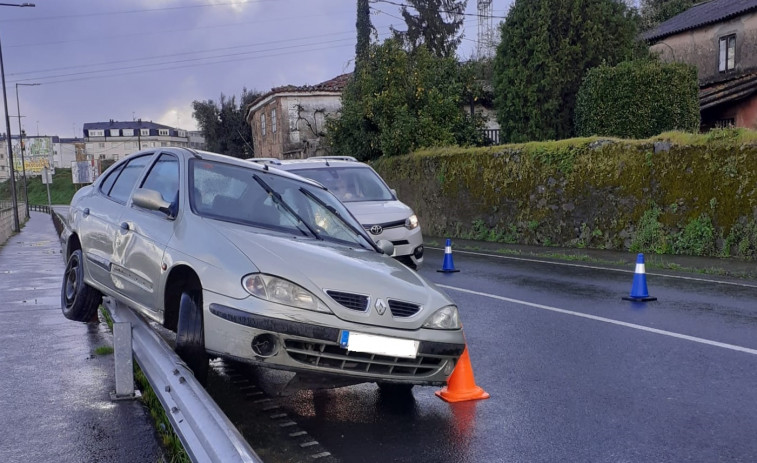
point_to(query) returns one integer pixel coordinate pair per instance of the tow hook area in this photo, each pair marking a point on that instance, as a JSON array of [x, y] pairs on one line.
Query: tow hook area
[[265, 345]]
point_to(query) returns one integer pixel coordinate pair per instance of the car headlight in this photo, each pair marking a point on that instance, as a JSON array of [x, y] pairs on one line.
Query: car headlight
[[445, 318], [411, 222], [279, 290]]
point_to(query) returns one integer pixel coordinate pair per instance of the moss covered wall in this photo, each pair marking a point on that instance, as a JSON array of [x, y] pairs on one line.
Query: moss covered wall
[[591, 192]]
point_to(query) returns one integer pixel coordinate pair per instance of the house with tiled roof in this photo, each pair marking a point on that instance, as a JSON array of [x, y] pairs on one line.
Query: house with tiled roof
[[289, 122], [719, 37]]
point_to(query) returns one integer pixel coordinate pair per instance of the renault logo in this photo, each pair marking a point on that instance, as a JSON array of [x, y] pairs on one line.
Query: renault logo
[[380, 307], [376, 230]]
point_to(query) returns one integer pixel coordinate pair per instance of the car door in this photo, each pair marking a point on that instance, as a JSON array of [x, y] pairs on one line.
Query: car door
[[99, 214], [143, 235]]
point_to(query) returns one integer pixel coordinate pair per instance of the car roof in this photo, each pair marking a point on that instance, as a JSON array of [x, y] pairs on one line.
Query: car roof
[[210, 156], [310, 163]]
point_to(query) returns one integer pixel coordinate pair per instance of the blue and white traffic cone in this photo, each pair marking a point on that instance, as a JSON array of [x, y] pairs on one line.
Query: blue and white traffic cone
[[639, 292], [447, 265]]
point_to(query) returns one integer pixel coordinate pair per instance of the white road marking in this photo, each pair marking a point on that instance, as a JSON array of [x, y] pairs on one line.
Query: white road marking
[[607, 320], [595, 267]]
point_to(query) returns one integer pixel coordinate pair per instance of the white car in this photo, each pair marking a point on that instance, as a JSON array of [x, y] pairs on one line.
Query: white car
[[367, 197]]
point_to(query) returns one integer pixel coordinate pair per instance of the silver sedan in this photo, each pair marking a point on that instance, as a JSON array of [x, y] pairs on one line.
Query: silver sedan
[[254, 264]]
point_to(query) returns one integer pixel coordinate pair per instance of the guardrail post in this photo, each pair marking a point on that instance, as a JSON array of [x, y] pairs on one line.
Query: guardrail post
[[124, 361]]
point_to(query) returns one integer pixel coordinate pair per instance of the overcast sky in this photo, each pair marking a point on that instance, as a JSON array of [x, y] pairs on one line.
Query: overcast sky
[[98, 60]]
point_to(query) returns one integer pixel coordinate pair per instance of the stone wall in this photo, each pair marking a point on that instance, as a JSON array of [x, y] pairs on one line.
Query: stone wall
[[584, 192], [6, 219]]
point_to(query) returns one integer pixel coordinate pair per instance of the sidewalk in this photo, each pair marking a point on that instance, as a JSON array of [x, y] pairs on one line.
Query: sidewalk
[[55, 403]]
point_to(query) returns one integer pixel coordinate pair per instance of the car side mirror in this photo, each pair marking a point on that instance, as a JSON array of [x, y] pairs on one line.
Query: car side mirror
[[386, 246], [151, 200]]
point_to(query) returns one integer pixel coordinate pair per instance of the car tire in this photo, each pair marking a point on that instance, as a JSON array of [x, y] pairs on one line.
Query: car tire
[[78, 300], [395, 388], [190, 338]]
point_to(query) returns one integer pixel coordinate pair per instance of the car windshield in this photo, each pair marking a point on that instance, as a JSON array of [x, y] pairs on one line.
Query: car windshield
[[357, 183], [252, 197]]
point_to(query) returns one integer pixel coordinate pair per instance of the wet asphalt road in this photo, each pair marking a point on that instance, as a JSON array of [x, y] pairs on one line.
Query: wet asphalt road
[[574, 372]]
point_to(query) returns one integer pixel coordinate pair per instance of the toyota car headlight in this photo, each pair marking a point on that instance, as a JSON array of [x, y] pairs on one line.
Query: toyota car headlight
[[281, 291], [445, 318], [411, 222]]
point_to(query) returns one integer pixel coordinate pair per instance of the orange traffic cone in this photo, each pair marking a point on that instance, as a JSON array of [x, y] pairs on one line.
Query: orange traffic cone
[[461, 386]]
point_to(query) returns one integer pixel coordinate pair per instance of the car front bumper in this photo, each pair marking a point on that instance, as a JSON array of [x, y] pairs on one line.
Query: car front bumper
[[301, 346]]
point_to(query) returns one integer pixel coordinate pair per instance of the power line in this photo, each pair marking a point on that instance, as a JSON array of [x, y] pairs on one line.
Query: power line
[[100, 38], [106, 63], [145, 10], [405, 5]]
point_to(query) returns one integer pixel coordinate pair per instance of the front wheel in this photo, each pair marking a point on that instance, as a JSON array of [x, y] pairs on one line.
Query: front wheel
[[190, 337], [78, 300]]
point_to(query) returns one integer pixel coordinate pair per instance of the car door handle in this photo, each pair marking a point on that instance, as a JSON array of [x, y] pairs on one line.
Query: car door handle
[[124, 226], [85, 212]]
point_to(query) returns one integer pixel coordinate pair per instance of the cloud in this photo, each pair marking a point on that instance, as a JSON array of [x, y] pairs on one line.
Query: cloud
[[179, 117]]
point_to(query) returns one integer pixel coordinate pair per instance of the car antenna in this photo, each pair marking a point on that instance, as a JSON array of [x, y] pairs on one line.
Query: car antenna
[[265, 166], [327, 163]]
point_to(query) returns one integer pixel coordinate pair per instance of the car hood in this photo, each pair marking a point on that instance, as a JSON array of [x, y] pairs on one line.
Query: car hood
[[320, 266], [379, 212]]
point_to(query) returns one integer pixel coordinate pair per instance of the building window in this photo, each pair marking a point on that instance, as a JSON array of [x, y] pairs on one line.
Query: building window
[[163, 132], [113, 132], [273, 120], [97, 133], [102, 145], [262, 124], [727, 53], [144, 132], [128, 132], [182, 133]]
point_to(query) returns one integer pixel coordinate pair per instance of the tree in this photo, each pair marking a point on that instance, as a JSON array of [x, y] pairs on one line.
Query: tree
[[400, 101], [547, 46], [654, 12], [436, 24], [363, 26], [224, 124]]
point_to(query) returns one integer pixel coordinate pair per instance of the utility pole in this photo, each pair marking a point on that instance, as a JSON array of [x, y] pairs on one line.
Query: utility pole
[[14, 200]]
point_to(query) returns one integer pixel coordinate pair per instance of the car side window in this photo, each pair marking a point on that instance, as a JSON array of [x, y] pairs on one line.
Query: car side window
[[128, 178], [164, 177], [107, 184]]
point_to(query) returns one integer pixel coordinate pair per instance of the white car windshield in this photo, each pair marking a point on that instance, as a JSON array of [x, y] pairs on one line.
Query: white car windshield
[[357, 183], [252, 197]]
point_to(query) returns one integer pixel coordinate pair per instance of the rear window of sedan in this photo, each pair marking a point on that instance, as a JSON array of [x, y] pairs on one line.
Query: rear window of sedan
[[349, 183]]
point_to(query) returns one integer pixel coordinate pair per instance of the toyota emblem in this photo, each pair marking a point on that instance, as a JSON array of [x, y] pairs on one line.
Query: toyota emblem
[[376, 230]]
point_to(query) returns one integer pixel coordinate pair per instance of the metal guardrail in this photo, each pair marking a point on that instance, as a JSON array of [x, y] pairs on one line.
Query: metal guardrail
[[204, 430]]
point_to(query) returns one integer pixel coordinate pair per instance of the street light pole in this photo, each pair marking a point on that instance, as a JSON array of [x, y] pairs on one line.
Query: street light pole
[[16, 225], [21, 142]]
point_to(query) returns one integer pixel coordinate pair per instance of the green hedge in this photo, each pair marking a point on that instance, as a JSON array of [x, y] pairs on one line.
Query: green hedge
[[675, 193], [638, 99]]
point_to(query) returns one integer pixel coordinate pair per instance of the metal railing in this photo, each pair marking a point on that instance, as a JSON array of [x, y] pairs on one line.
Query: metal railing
[[204, 430]]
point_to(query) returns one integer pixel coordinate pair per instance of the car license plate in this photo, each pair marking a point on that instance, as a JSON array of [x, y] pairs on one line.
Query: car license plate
[[380, 345]]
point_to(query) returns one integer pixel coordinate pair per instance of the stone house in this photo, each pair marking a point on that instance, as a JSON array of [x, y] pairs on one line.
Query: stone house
[[719, 37], [289, 122]]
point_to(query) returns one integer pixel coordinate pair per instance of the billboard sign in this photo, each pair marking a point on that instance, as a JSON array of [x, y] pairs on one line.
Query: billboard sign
[[37, 155]]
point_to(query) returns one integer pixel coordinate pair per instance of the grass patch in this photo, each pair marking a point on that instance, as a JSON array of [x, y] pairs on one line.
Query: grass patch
[[104, 350]]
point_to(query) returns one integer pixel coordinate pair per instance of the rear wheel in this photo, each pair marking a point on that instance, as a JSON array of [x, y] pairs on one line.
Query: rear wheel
[[190, 338], [78, 300]]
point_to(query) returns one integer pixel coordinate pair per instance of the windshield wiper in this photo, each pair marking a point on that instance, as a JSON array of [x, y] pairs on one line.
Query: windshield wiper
[[341, 219], [278, 200]]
